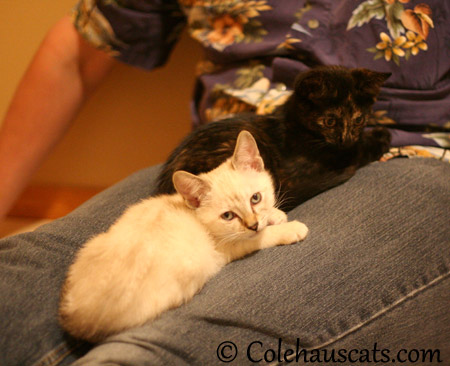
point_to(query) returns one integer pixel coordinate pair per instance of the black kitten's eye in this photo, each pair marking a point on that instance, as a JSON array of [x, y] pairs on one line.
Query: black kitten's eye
[[228, 216], [330, 122], [256, 198], [358, 120]]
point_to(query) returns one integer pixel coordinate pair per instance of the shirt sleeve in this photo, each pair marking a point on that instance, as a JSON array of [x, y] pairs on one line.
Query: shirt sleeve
[[141, 33]]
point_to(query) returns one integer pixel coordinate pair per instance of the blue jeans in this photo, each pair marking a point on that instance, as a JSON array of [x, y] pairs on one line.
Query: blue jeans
[[370, 283]]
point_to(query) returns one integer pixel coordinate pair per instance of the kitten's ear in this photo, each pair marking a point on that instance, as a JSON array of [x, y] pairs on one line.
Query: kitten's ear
[[368, 82], [191, 187], [246, 154], [312, 85]]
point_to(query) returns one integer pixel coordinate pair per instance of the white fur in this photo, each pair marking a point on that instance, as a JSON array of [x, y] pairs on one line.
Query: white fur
[[162, 251]]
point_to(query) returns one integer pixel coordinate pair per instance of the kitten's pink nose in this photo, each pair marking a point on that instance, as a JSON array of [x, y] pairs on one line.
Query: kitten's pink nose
[[253, 227]]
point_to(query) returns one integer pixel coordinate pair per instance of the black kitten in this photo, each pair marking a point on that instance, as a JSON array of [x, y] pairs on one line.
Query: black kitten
[[314, 142]]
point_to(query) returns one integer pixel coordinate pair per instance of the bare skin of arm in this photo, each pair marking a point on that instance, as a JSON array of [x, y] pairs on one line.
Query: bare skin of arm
[[62, 75]]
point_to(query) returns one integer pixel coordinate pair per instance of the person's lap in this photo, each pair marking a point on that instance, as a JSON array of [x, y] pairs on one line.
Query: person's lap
[[374, 269]]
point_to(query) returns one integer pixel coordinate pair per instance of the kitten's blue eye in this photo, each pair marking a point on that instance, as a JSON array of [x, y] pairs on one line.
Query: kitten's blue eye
[[256, 198], [228, 216]]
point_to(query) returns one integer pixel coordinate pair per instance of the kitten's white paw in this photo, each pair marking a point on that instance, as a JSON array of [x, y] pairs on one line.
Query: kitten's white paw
[[277, 217], [293, 232]]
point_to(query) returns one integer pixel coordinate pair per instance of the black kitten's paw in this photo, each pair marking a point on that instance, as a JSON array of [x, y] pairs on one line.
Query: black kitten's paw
[[380, 140], [375, 143]]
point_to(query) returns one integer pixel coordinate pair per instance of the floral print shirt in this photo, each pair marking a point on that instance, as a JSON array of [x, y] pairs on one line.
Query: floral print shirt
[[255, 48]]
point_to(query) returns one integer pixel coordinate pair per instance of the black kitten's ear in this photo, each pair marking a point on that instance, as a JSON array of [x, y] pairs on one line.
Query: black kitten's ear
[[191, 187], [368, 82], [312, 85]]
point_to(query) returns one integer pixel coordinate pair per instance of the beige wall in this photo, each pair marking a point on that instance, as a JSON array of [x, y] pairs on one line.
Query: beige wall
[[134, 120]]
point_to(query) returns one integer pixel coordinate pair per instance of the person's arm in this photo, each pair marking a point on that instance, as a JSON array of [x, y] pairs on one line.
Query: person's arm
[[62, 74]]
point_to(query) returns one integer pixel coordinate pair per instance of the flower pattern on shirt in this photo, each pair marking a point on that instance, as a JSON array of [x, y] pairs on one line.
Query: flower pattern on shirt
[[94, 27], [408, 28], [254, 49], [218, 23]]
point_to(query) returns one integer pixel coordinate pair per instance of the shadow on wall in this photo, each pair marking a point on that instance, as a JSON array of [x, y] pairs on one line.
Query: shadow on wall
[[133, 120]]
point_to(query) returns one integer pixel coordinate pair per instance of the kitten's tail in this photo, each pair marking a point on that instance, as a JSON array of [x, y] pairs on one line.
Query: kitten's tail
[[80, 324]]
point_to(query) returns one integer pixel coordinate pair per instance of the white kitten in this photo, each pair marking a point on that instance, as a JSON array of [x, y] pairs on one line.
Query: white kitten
[[161, 251]]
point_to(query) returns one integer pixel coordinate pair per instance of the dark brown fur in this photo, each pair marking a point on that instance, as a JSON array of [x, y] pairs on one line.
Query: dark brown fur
[[314, 142]]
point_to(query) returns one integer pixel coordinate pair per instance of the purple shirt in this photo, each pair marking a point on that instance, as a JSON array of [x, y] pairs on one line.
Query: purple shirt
[[254, 49]]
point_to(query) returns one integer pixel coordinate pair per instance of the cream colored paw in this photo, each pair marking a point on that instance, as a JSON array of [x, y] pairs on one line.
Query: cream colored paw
[[293, 232]]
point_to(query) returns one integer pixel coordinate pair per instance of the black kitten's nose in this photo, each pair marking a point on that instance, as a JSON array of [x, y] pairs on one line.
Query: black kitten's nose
[[345, 142], [253, 227]]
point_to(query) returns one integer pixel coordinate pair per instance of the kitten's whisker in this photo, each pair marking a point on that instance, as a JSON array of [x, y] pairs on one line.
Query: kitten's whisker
[[283, 199], [280, 197], [228, 238]]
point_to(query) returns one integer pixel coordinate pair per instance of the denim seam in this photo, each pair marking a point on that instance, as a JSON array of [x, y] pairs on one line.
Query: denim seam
[[56, 355], [376, 315]]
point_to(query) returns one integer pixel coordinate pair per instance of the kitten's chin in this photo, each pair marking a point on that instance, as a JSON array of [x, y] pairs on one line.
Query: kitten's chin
[[249, 234], [341, 145], [346, 145], [243, 234]]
